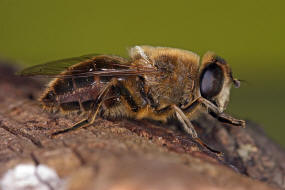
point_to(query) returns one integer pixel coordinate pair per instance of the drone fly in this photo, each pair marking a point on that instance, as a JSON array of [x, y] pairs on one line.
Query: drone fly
[[156, 83]]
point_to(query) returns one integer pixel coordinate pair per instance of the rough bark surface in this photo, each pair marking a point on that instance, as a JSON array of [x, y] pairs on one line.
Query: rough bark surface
[[132, 154]]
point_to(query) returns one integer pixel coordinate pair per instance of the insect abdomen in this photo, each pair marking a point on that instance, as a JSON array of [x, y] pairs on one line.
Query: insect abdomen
[[75, 91], [70, 106], [72, 94]]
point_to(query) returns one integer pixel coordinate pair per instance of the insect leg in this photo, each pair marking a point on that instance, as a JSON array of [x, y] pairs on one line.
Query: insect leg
[[92, 116], [226, 118], [189, 128], [213, 110], [186, 124]]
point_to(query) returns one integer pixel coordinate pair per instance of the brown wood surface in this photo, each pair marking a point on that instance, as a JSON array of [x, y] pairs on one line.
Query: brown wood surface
[[132, 154]]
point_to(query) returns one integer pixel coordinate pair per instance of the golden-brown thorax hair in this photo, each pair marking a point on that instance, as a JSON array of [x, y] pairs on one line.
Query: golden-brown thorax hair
[[179, 72]]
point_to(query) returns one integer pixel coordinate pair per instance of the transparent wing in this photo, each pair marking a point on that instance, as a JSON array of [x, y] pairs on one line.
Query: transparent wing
[[87, 65], [54, 67]]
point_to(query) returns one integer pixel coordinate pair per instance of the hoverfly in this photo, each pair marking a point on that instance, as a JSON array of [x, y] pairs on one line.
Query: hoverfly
[[156, 83]]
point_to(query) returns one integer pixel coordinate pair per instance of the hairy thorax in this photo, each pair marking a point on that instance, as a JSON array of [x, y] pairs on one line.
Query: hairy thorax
[[174, 85]]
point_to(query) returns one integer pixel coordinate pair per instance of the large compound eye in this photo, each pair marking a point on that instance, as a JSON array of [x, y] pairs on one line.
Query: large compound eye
[[211, 81]]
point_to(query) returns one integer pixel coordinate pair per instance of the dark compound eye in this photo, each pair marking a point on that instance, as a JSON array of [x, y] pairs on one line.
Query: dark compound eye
[[211, 81]]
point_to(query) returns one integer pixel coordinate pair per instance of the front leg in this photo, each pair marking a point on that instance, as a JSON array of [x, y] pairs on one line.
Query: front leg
[[226, 118], [221, 116], [213, 110]]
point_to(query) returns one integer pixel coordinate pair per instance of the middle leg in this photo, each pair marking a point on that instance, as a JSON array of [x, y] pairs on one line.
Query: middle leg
[[184, 121]]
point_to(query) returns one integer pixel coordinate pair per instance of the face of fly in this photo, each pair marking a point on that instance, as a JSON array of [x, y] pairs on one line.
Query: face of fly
[[216, 80]]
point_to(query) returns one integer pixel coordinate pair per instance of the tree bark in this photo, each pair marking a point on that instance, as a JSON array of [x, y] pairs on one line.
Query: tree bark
[[131, 154]]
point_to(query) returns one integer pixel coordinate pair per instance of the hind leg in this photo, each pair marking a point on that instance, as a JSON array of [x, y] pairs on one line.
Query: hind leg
[[92, 116]]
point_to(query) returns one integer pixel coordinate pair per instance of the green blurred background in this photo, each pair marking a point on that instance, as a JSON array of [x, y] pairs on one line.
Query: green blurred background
[[248, 34]]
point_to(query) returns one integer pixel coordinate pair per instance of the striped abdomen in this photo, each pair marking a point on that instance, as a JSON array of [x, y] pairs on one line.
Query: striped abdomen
[[72, 94], [77, 88]]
